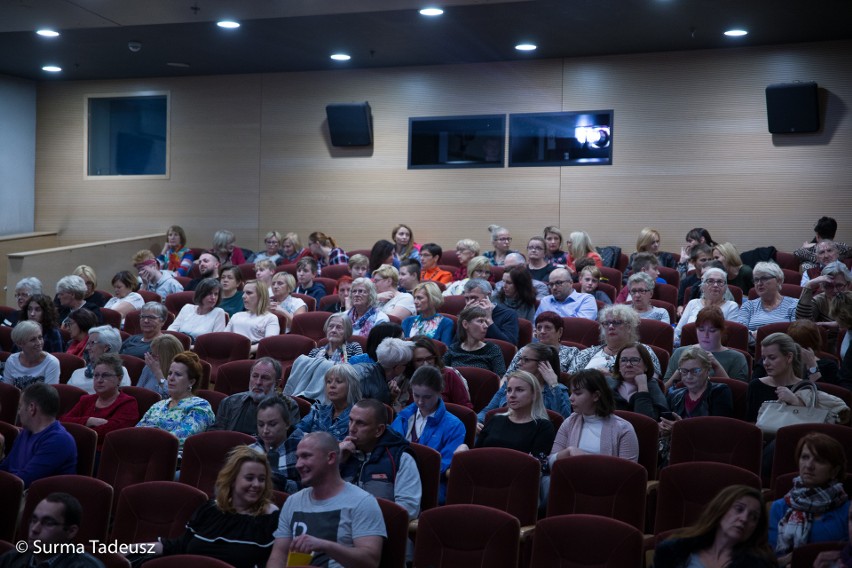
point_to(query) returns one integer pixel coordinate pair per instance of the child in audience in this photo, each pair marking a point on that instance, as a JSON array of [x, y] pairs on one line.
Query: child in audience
[[358, 266], [306, 271]]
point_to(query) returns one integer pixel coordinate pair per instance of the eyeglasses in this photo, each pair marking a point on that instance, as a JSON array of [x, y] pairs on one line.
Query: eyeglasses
[[504, 239], [535, 248], [696, 372], [612, 323], [148, 317], [103, 376], [833, 286], [525, 360], [271, 242], [630, 361], [762, 279], [95, 342], [357, 292], [713, 282], [639, 291], [556, 283]]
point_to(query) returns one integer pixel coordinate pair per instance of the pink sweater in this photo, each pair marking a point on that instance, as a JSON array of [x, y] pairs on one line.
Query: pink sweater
[[617, 437]]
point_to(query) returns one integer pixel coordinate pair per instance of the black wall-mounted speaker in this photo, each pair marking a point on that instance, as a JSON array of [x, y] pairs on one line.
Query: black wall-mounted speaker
[[792, 107], [350, 124]]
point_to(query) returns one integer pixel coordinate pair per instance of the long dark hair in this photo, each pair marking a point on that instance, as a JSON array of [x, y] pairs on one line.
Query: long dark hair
[[49, 313], [380, 252], [522, 280]]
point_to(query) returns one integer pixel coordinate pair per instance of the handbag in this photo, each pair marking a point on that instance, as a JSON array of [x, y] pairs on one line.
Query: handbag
[[775, 414], [838, 412]]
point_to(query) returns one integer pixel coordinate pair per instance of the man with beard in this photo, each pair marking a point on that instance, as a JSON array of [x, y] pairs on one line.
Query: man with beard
[[238, 412], [208, 267]]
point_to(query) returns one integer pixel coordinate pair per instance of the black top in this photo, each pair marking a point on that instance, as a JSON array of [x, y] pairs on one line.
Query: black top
[[716, 400], [535, 438], [674, 553]]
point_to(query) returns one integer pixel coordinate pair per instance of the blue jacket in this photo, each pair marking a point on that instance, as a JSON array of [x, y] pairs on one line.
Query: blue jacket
[[505, 326]]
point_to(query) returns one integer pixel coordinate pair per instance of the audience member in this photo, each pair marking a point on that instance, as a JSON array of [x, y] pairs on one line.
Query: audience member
[[466, 250], [826, 253], [78, 324], [380, 380], [553, 238], [70, 296], [590, 278], [770, 306], [231, 297], [501, 240], [176, 256], [388, 297], [579, 247], [815, 306], [272, 241], [338, 332], [359, 265], [306, 270], [430, 256], [633, 384], [203, 315], [739, 274], [152, 317], [292, 250], [537, 264], [153, 279], [102, 340], [470, 348], [157, 363], [364, 313], [41, 309], [714, 285], [208, 267], [125, 298], [256, 322], [409, 274], [428, 322], [426, 353], [325, 250], [404, 246], [274, 420], [25, 288], [283, 302], [641, 287], [225, 249], [31, 364], [566, 301], [645, 262], [502, 321]]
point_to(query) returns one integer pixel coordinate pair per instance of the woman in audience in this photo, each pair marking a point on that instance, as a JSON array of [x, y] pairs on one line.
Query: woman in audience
[[108, 408], [590, 277], [102, 340], [633, 385], [282, 302], [176, 256], [404, 245], [275, 417], [525, 426], [125, 299], [580, 246], [477, 267], [426, 353], [338, 331], [697, 395], [807, 335], [71, 295], [378, 334], [700, 257], [471, 349], [381, 380], [725, 363], [182, 414], [641, 287], [256, 322], [152, 316], [537, 264], [31, 364], [157, 362], [816, 509], [325, 250], [292, 249], [783, 364], [342, 391], [770, 306], [553, 237], [225, 249], [231, 297], [202, 315], [548, 331], [593, 427], [364, 313], [344, 304], [841, 312], [517, 292], [87, 273], [501, 239], [388, 297], [381, 253], [428, 322], [426, 421], [78, 325], [739, 274], [236, 526], [731, 532], [41, 309], [649, 241], [542, 362], [272, 241], [619, 327], [24, 289], [466, 250], [834, 279], [714, 284], [697, 236]]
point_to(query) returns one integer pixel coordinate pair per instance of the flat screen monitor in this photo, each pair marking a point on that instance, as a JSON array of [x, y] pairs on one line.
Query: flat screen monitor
[[456, 141], [561, 138]]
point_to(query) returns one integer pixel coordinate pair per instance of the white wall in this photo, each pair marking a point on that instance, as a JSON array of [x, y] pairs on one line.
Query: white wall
[[17, 155]]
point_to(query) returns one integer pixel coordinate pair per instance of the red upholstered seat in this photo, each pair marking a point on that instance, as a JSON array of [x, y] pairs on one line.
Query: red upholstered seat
[[648, 432], [234, 376], [95, 496], [147, 511], [717, 439], [467, 417], [429, 466], [481, 383], [653, 332], [145, 398], [68, 397], [87, 444], [310, 324], [581, 330], [396, 543], [585, 540], [219, 347], [12, 490], [67, 365], [204, 455], [285, 348]]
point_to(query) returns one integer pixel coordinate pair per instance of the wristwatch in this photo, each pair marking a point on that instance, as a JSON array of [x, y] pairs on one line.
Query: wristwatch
[[813, 370]]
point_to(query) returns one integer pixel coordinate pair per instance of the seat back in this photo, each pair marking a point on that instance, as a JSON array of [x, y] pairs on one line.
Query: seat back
[[763, 332], [95, 496], [396, 543], [669, 307], [213, 397], [501, 478], [175, 302], [12, 489], [736, 335], [508, 349], [219, 347], [330, 284], [466, 535], [86, 440], [581, 330], [184, 339], [134, 366], [525, 332], [9, 432], [482, 385], [310, 302], [467, 417], [653, 332], [309, 324], [327, 301], [648, 432], [67, 365], [608, 486], [336, 271], [739, 391], [429, 466], [111, 317], [10, 395], [612, 276], [452, 305], [623, 542], [153, 509], [787, 289], [285, 348], [205, 453], [717, 439], [233, 376], [670, 275], [145, 398], [68, 397]]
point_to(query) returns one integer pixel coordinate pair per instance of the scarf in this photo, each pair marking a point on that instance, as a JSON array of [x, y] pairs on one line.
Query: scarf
[[175, 258], [364, 323], [794, 528]]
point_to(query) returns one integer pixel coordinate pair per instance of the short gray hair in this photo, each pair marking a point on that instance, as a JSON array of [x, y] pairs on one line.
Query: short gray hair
[[24, 330], [642, 277], [705, 274], [771, 269], [835, 268], [514, 258], [393, 352], [157, 308], [31, 284], [478, 284], [73, 285], [108, 335]]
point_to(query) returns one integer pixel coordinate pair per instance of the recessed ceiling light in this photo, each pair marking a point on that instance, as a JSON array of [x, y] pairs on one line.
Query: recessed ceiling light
[[47, 33], [52, 68], [431, 12], [736, 33], [178, 64], [228, 24], [340, 57], [526, 47]]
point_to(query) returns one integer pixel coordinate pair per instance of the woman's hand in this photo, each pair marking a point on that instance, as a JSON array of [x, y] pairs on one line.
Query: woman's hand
[[672, 380], [547, 373], [394, 389], [716, 366], [787, 396], [383, 297], [641, 382], [680, 310], [666, 424], [93, 421], [165, 249], [814, 283], [153, 363], [827, 559], [809, 359], [684, 251]]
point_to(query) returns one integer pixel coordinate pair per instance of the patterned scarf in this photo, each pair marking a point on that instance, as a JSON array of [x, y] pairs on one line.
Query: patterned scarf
[[364, 323], [803, 504], [175, 258]]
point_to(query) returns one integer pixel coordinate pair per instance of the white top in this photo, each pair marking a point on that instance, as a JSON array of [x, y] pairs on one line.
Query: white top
[[403, 300], [590, 435], [20, 376], [191, 323], [80, 380], [291, 303], [254, 327], [730, 311], [133, 298]]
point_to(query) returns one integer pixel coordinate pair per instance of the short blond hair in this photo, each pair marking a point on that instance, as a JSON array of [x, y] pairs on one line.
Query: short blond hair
[[143, 255], [387, 271]]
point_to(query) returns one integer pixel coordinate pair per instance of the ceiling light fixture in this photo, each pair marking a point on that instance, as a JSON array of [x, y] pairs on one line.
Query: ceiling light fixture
[[47, 33], [431, 12], [341, 57], [526, 47], [52, 68], [228, 24], [736, 33], [178, 64]]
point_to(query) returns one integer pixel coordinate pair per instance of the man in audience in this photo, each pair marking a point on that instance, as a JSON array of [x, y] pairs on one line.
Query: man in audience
[[824, 230], [43, 448], [238, 412], [339, 523], [566, 301], [306, 271], [502, 321], [378, 459], [430, 256], [208, 267], [409, 275], [54, 523], [518, 259], [826, 252], [153, 280]]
